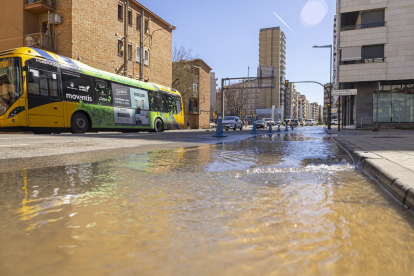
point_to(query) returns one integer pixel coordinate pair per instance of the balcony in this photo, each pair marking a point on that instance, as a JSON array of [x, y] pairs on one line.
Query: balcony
[[40, 40], [365, 60], [40, 6], [363, 26]]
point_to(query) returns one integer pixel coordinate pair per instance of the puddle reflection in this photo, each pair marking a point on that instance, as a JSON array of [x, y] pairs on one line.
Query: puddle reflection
[[280, 204]]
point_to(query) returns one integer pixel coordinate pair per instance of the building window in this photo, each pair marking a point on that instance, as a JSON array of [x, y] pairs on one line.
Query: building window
[[146, 57], [138, 59], [130, 17], [195, 87], [372, 52], [146, 26], [120, 11], [138, 22], [129, 51], [120, 47]]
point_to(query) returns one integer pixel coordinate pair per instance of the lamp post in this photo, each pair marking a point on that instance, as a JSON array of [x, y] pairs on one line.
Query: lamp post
[[171, 27], [330, 84]]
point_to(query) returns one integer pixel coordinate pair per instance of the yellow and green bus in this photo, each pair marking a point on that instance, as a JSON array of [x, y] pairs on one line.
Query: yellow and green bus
[[44, 92]]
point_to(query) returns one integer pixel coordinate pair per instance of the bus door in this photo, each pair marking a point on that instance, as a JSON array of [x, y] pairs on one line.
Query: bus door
[[45, 107]]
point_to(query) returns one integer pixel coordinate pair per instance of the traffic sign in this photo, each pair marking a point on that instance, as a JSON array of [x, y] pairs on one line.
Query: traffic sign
[[328, 100], [346, 92]]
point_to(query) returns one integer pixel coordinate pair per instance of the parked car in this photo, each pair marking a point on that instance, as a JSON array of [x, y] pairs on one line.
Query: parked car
[[269, 121], [261, 124], [311, 122], [232, 122], [213, 124], [294, 122], [334, 121]]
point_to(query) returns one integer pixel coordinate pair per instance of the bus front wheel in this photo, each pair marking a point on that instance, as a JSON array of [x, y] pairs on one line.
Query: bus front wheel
[[158, 126], [79, 123]]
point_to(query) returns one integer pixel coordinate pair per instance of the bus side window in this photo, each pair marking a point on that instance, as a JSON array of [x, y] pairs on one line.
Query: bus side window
[[103, 92], [156, 102], [45, 84], [178, 104]]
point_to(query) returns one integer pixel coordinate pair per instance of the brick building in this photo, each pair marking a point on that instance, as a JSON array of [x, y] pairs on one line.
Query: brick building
[[196, 101], [93, 32]]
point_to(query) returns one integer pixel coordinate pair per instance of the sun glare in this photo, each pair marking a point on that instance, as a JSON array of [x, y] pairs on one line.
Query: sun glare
[[313, 13]]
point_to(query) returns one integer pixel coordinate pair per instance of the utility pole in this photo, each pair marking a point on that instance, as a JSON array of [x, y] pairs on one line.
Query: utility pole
[[126, 37]]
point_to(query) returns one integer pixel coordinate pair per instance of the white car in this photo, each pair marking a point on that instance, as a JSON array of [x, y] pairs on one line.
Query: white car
[[334, 121], [232, 122], [311, 122]]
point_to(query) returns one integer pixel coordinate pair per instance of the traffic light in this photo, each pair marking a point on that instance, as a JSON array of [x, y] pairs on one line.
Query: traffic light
[[286, 83]]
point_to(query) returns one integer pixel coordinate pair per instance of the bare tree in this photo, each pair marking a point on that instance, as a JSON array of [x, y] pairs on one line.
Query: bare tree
[[185, 73], [235, 98]]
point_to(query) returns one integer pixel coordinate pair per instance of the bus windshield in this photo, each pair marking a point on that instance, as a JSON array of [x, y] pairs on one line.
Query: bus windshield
[[11, 87]]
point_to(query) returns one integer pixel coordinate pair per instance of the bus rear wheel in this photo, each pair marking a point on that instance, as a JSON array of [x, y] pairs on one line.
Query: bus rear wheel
[[79, 123], [158, 126]]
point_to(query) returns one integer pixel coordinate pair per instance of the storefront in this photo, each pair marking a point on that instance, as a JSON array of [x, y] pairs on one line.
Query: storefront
[[394, 103]]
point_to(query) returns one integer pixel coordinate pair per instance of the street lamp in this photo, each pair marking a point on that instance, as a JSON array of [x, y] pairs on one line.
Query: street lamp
[[330, 84], [171, 27]]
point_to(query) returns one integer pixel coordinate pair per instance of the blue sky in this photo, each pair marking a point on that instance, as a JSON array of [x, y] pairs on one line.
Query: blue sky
[[225, 34]]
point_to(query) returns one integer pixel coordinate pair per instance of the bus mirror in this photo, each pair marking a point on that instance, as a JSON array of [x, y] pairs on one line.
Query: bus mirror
[[30, 77]]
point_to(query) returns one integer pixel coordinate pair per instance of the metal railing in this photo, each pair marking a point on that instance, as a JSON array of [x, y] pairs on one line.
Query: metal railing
[[40, 40], [364, 60], [194, 109], [363, 26], [47, 2]]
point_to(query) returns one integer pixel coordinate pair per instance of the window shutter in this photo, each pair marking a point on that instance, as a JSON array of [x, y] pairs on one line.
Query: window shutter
[[146, 57]]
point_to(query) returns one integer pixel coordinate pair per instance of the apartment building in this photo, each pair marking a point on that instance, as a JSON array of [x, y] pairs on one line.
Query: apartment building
[[122, 37], [272, 52], [252, 103], [314, 111], [376, 43], [291, 102]]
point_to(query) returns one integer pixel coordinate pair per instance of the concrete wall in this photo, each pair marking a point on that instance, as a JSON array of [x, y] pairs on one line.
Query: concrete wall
[[12, 16], [370, 36], [357, 5]]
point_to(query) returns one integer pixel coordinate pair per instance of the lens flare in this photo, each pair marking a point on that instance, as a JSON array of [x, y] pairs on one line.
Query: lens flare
[[313, 13]]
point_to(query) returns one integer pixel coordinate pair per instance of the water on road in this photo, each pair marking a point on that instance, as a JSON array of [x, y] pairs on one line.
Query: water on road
[[288, 204]]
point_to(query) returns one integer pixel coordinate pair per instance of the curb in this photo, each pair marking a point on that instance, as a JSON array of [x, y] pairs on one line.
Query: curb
[[391, 176]]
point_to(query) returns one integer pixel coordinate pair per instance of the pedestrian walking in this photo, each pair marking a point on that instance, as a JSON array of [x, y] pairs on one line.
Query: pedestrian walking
[[188, 124]]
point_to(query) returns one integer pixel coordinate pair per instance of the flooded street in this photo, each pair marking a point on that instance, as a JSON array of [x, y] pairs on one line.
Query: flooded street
[[287, 204]]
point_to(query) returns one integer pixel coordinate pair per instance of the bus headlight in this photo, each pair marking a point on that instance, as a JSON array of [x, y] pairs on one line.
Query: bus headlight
[[16, 111]]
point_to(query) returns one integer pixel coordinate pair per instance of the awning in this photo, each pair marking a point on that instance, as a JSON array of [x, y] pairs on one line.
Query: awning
[[351, 53]]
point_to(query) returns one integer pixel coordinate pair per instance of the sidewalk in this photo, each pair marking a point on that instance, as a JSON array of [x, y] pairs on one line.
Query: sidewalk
[[387, 156]]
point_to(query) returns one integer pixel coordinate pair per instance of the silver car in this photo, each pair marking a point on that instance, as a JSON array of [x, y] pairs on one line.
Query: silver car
[[232, 122]]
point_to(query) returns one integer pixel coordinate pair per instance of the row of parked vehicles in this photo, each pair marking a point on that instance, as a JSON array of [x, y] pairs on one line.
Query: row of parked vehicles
[[234, 122]]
